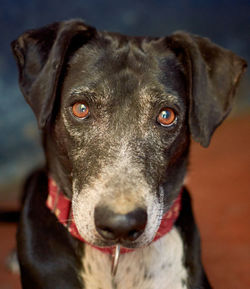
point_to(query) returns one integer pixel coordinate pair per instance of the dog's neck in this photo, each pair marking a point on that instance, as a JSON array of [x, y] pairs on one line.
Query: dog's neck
[[60, 205]]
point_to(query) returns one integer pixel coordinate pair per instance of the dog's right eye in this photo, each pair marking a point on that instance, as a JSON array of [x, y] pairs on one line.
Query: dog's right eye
[[80, 110], [166, 117]]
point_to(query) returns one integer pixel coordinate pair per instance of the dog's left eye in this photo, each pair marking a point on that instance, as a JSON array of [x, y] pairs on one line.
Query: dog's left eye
[[80, 110], [166, 117]]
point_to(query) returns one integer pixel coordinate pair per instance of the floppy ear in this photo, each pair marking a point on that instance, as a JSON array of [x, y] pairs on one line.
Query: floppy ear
[[41, 55], [213, 75]]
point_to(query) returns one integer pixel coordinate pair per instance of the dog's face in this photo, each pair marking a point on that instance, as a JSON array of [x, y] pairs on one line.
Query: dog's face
[[121, 110], [121, 155]]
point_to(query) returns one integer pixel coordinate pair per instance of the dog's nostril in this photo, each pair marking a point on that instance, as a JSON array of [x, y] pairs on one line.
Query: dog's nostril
[[112, 226], [133, 234], [106, 233]]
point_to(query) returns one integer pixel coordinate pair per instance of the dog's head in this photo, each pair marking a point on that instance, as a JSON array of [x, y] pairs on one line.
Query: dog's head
[[117, 113]]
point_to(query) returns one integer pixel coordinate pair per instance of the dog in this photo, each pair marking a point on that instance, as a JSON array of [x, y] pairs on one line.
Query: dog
[[116, 115]]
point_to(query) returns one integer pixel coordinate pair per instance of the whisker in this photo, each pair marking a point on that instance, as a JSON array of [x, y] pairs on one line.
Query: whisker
[[65, 220]]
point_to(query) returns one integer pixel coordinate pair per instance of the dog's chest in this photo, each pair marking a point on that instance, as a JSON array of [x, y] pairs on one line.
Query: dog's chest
[[159, 266]]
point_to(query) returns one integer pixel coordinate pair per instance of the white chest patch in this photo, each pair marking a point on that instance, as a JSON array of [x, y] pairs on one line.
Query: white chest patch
[[158, 266]]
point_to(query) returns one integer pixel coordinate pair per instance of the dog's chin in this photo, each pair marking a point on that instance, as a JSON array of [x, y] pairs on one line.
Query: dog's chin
[[123, 243]]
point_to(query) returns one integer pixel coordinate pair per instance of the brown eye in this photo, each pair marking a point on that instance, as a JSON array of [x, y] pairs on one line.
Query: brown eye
[[166, 117], [80, 110]]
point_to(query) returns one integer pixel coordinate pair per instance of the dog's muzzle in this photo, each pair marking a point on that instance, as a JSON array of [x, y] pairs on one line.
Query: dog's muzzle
[[123, 228]]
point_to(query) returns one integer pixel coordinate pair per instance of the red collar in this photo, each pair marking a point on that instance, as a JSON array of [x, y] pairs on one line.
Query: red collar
[[60, 205]]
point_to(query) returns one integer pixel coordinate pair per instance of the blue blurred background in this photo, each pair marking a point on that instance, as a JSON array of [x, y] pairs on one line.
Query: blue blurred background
[[225, 22]]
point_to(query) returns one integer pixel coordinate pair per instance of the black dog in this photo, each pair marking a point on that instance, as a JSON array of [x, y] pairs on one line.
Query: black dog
[[116, 115]]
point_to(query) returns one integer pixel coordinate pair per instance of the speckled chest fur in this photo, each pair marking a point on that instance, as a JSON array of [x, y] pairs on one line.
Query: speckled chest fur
[[159, 266]]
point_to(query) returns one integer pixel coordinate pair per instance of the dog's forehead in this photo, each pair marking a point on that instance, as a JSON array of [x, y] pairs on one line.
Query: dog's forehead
[[124, 65]]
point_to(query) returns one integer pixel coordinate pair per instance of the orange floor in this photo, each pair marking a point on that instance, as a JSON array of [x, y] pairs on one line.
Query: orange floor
[[219, 182]]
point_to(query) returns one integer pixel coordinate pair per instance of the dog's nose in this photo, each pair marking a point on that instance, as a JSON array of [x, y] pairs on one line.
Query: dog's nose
[[113, 226]]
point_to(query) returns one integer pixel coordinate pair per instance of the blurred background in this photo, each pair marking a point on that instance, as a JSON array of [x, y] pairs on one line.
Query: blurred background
[[226, 162]]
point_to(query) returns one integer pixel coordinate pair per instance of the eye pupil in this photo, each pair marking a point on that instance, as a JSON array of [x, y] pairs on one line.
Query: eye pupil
[[82, 107], [165, 114]]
